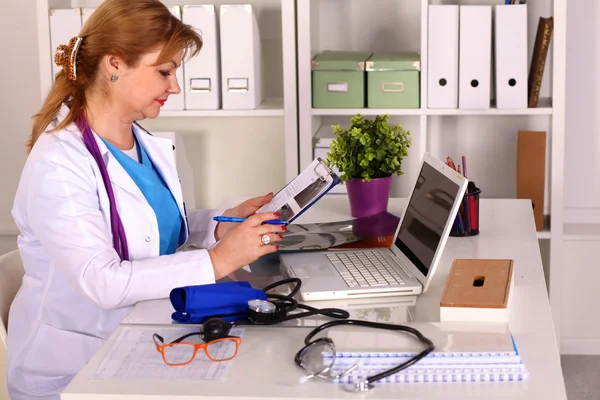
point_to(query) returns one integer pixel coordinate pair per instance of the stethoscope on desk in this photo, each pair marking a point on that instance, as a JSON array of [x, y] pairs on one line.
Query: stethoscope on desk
[[279, 308], [367, 383]]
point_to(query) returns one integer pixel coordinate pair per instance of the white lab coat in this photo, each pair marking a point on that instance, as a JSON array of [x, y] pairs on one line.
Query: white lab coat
[[76, 290]]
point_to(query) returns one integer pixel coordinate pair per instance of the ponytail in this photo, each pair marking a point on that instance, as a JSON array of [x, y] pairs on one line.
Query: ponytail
[[63, 91]]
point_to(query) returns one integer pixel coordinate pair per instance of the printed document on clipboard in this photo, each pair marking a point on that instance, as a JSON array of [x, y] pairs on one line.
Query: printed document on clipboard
[[303, 191]]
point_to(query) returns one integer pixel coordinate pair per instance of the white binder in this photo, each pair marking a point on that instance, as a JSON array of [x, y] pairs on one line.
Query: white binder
[[475, 49], [202, 85], [442, 79], [176, 101], [85, 14], [241, 64], [64, 24], [510, 43]]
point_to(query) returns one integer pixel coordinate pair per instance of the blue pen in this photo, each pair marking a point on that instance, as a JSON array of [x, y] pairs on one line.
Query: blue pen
[[238, 219]]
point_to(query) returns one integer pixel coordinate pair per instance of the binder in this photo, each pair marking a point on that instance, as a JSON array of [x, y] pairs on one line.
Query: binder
[[241, 63], [202, 86], [64, 24], [176, 101], [442, 78], [475, 53], [510, 43]]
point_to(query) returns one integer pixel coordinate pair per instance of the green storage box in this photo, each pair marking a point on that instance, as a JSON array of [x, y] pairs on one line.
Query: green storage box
[[393, 80], [338, 79]]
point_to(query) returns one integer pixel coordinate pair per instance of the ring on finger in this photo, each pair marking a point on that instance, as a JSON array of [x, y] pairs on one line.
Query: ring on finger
[[265, 239]]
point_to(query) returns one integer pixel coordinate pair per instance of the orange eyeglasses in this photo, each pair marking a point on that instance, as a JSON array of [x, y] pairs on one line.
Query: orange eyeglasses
[[179, 352]]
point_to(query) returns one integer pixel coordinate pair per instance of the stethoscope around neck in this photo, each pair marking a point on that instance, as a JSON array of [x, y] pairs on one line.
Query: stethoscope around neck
[[116, 226]]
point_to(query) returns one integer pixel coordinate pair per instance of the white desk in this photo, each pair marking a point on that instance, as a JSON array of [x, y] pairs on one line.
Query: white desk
[[265, 369]]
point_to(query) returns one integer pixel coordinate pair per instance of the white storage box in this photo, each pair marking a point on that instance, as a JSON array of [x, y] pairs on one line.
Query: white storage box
[[241, 61], [202, 85]]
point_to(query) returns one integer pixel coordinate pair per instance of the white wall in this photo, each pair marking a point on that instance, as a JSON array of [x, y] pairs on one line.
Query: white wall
[[582, 158], [20, 99]]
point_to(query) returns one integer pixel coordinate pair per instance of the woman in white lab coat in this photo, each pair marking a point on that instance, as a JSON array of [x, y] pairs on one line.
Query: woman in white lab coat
[[85, 266]]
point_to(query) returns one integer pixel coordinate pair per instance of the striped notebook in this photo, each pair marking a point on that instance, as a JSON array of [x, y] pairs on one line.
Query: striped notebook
[[441, 373], [464, 352]]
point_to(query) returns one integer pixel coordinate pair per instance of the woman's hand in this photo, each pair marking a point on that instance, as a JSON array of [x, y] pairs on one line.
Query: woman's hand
[[243, 244], [243, 210]]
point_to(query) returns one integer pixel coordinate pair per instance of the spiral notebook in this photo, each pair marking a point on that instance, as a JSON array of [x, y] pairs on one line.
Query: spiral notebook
[[464, 352]]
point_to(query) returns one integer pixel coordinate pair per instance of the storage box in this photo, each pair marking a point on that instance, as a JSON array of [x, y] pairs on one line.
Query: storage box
[[241, 57], [478, 290], [393, 80], [338, 79]]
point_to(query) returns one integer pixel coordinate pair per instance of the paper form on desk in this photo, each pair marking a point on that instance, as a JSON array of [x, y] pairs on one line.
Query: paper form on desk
[[133, 356]]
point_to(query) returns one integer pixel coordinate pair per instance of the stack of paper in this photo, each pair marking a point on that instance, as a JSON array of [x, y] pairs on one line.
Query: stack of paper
[[134, 356], [463, 353]]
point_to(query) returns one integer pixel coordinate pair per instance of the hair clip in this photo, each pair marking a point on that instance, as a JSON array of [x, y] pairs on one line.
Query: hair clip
[[66, 57]]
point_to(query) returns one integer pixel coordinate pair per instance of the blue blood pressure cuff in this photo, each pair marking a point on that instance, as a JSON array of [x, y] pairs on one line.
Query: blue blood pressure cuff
[[227, 300]]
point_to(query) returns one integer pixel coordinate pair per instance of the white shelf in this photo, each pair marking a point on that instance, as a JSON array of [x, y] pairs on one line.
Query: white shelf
[[367, 111], [95, 3], [428, 111], [545, 234], [588, 232], [544, 108], [269, 108]]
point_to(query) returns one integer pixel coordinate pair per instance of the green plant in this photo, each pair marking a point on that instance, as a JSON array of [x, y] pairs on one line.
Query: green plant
[[369, 149]]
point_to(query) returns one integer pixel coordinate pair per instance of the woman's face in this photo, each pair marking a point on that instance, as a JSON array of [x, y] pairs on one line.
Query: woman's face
[[142, 90]]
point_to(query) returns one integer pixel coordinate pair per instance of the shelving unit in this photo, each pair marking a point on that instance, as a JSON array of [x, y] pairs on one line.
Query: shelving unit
[[268, 108], [487, 138], [300, 29]]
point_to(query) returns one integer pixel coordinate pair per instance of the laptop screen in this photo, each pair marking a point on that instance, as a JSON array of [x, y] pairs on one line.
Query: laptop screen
[[425, 218]]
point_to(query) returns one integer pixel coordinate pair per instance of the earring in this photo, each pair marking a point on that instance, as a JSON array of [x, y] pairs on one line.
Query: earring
[[114, 77]]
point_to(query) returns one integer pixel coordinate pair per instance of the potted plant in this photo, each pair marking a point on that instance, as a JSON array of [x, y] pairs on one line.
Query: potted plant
[[367, 155]]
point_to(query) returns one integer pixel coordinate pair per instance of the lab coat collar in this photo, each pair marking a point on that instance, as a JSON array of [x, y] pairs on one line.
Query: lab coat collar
[[160, 151]]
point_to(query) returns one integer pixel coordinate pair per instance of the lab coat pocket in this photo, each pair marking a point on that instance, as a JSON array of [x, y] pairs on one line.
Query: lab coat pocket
[[56, 356]]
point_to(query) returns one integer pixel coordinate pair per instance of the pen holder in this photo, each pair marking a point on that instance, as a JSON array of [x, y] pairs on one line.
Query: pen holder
[[467, 218]]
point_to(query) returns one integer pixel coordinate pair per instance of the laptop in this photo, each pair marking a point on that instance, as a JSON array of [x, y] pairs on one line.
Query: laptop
[[406, 268]]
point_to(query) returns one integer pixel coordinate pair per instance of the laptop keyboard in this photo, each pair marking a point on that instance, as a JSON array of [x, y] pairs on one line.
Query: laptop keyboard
[[364, 269]]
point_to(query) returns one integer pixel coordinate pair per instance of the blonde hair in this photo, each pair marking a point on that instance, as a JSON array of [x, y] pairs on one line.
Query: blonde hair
[[127, 29]]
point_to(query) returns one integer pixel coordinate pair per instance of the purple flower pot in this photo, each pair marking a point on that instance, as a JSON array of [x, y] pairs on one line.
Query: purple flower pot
[[368, 198]]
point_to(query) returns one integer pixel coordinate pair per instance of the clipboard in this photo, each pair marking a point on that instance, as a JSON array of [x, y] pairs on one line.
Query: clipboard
[[303, 191]]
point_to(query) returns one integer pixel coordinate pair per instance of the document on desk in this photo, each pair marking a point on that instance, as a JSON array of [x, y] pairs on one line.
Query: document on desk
[[134, 356]]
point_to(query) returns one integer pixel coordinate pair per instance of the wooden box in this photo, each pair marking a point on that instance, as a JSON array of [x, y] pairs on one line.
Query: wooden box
[[478, 290]]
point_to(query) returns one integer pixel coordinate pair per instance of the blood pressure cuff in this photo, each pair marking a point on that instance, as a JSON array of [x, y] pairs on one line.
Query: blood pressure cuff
[[227, 300]]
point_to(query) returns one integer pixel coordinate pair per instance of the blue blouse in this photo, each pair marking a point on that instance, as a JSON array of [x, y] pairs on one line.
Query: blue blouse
[[156, 192]]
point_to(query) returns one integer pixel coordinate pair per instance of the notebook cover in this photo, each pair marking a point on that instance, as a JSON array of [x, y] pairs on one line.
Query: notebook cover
[[479, 283]]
